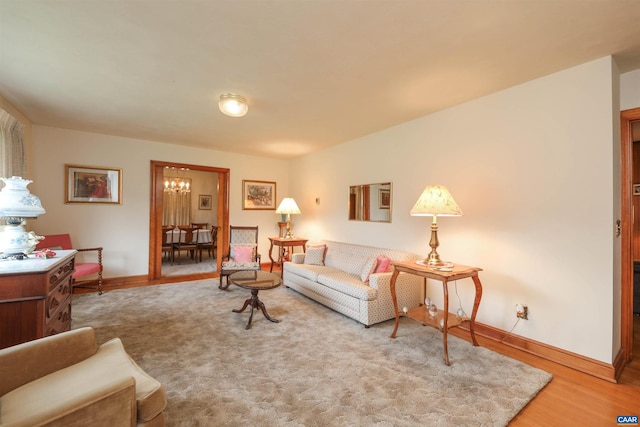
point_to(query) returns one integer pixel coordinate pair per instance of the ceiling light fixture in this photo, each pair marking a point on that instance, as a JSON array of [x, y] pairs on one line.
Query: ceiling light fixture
[[233, 105]]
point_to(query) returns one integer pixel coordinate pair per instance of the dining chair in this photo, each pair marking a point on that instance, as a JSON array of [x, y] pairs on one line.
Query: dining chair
[[211, 245], [87, 274], [200, 224], [167, 242], [242, 253], [187, 244]]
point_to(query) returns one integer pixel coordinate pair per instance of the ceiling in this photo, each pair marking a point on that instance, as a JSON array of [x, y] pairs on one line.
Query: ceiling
[[316, 73]]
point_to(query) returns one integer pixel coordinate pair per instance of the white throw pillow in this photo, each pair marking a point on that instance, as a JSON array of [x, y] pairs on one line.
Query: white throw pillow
[[368, 268], [315, 255]]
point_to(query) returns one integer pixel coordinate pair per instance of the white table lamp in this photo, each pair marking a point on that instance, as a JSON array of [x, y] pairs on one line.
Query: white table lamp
[[435, 201], [288, 206]]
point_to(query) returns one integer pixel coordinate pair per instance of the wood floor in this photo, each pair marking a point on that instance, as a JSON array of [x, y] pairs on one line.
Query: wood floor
[[574, 398]]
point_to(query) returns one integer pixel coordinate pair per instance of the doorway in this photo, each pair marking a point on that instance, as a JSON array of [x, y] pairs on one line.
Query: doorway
[[630, 173], [156, 214]]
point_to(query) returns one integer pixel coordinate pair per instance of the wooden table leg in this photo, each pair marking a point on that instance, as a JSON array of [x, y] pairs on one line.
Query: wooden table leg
[[271, 257], [255, 303], [476, 304], [445, 290], [394, 276]]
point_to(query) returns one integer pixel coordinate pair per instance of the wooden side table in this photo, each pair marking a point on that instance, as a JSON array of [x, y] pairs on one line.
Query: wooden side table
[[283, 244], [421, 313]]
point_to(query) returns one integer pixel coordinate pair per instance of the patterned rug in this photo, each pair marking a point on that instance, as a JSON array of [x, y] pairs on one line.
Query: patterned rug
[[314, 368]]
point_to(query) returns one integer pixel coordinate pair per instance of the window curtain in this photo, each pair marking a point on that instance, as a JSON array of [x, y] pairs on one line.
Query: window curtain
[[12, 151], [176, 208]]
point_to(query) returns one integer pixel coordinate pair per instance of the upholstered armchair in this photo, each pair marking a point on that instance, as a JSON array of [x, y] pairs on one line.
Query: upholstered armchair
[[242, 254], [88, 274], [67, 380]]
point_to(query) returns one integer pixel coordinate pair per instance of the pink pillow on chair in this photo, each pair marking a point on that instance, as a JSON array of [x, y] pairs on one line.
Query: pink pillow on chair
[[242, 253], [383, 264]]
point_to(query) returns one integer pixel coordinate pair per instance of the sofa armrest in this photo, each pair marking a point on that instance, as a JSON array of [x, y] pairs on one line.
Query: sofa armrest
[[105, 403], [28, 361], [380, 280], [297, 258]]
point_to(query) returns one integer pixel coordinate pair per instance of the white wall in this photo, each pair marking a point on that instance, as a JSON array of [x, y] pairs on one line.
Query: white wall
[[123, 230], [630, 90], [532, 169]]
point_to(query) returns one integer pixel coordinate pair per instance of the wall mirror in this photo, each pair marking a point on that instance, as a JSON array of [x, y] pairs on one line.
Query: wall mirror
[[370, 202]]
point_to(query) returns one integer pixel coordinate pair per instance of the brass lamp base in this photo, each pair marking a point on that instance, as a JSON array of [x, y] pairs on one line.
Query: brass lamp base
[[289, 234], [433, 259]]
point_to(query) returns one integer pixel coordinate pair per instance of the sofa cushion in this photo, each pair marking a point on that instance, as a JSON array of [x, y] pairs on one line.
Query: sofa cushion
[[308, 271], [348, 284], [315, 255], [345, 261], [110, 363], [111, 402], [230, 265]]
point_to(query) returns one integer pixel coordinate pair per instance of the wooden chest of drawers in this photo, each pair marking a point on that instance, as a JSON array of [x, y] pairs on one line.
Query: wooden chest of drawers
[[35, 297]]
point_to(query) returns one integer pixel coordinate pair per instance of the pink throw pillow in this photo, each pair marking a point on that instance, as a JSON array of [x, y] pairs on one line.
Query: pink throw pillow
[[383, 264], [242, 253]]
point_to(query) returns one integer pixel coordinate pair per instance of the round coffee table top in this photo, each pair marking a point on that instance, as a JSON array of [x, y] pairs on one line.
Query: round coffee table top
[[255, 280]]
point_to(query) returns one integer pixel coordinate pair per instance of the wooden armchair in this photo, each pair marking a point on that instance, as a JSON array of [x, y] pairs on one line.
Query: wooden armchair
[[87, 274], [242, 254]]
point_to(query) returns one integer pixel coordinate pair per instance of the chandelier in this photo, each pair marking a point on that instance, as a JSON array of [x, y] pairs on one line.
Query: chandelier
[[177, 185]]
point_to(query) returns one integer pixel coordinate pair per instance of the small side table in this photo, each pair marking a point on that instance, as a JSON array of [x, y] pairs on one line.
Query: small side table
[[283, 244], [255, 281], [421, 313]]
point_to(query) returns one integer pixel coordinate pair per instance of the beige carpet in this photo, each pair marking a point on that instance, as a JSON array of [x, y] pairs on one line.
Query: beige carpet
[[314, 368]]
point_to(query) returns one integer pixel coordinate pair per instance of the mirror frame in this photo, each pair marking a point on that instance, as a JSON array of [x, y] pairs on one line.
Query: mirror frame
[[377, 200]]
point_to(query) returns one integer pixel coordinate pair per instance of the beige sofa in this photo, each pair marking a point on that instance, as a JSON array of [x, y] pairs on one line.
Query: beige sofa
[[67, 380], [339, 285]]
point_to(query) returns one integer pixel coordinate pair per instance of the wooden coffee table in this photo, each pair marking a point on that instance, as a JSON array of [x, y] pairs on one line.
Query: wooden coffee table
[[255, 281]]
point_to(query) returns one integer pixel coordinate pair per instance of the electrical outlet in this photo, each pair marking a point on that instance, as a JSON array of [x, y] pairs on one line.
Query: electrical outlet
[[522, 311]]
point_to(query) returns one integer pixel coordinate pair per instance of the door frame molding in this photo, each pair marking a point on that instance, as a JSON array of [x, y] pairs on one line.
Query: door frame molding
[[155, 218], [627, 117]]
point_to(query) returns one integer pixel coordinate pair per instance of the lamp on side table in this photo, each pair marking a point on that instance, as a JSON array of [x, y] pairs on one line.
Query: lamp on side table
[[435, 201], [288, 206]]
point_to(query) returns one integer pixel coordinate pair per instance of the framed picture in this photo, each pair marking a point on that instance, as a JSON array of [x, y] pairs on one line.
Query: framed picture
[[636, 189], [258, 195], [92, 184], [384, 198], [204, 201]]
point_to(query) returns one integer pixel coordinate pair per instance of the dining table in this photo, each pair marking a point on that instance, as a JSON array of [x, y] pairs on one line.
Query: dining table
[[178, 235]]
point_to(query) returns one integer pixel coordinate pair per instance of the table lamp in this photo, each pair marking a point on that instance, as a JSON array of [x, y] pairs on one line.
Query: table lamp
[[288, 206], [16, 205], [435, 201]]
